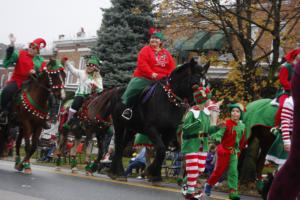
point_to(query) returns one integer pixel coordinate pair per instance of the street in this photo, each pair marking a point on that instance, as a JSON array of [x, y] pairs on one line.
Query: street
[[47, 184]]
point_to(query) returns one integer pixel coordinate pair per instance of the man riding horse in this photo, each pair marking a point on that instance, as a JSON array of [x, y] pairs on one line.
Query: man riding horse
[[27, 62]]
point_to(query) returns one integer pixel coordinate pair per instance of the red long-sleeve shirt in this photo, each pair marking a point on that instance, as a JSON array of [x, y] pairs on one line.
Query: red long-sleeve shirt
[[24, 63], [149, 62]]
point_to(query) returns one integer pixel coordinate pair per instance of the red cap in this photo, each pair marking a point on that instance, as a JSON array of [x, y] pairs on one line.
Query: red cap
[[39, 42], [291, 55]]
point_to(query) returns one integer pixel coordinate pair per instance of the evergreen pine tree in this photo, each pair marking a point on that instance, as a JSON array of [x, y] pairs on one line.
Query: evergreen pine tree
[[123, 32]]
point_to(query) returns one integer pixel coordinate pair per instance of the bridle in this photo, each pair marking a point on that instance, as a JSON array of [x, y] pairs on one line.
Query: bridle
[[51, 85]]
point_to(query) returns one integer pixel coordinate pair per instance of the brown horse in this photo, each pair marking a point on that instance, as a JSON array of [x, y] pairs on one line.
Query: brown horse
[[90, 127], [32, 110]]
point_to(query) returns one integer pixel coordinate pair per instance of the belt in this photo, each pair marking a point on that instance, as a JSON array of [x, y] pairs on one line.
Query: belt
[[231, 149]]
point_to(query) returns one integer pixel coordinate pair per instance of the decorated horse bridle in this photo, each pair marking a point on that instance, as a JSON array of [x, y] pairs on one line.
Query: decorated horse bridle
[[30, 105], [173, 98], [52, 87]]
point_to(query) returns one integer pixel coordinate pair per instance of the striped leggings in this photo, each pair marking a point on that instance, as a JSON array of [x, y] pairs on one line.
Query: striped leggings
[[195, 165]]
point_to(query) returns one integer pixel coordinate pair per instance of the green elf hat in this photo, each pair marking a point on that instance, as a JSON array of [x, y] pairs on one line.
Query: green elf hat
[[158, 35], [239, 106], [54, 66], [94, 61], [201, 94]]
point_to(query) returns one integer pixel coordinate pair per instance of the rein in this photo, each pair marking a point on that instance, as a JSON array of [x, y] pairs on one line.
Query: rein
[[173, 98], [48, 72]]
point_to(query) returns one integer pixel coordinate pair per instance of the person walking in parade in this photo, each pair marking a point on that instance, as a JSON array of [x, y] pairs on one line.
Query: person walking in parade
[[26, 63], [154, 62], [232, 140], [90, 80], [285, 76], [195, 129]]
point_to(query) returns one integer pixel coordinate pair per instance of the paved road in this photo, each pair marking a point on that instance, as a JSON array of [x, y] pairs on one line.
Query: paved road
[[47, 184]]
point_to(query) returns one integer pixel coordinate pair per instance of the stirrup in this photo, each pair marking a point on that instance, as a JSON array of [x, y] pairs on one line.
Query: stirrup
[[3, 119], [127, 114]]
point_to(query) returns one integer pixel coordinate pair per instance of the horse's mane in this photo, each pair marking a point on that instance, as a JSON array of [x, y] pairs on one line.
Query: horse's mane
[[104, 103]]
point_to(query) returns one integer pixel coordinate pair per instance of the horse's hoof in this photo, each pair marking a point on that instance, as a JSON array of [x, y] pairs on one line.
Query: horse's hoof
[[19, 167], [112, 176], [28, 171], [89, 173], [121, 178]]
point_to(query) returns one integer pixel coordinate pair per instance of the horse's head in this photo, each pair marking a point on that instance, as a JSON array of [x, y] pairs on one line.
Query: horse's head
[[55, 76], [186, 76]]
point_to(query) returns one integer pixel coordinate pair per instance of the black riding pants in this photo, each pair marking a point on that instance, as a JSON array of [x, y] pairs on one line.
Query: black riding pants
[[7, 94], [77, 103]]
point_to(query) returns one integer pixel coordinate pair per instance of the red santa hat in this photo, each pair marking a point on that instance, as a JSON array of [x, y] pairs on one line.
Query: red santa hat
[[39, 43], [291, 55]]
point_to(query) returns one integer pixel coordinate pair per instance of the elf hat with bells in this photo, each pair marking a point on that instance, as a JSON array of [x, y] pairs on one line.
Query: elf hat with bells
[[38, 43], [201, 94]]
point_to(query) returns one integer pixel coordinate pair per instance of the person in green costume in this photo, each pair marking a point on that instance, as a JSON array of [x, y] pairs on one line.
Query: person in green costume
[[195, 129]]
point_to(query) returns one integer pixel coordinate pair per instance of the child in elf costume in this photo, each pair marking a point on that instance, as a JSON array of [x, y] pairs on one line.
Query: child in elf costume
[[195, 129], [232, 139]]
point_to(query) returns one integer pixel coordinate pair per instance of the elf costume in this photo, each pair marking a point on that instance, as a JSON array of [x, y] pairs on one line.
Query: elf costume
[[276, 153], [286, 184], [149, 61], [195, 129], [24, 62], [232, 139], [285, 75]]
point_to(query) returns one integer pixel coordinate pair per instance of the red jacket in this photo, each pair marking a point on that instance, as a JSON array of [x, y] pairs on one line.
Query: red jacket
[[150, 62], [285, 76], [24, 63], [229, 138]]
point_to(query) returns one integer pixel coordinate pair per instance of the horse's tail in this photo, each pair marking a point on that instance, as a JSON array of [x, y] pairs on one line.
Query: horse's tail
[[104, 103]]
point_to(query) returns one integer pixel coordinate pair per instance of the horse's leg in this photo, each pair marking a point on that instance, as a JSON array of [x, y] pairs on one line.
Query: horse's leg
[[73, 154], [117, 169], [154, 169], [88, 143], [18, 145], [265, 140], [62, 141], [33, 147], [248, 168], [4, 132], [88, 151], [26, 163], [100, 143]]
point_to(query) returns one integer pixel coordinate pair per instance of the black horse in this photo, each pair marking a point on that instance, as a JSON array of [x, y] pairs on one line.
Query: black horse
[[156, 115]]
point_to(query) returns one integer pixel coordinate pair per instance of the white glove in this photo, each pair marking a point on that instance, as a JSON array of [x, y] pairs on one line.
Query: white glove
[[12, 39]]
